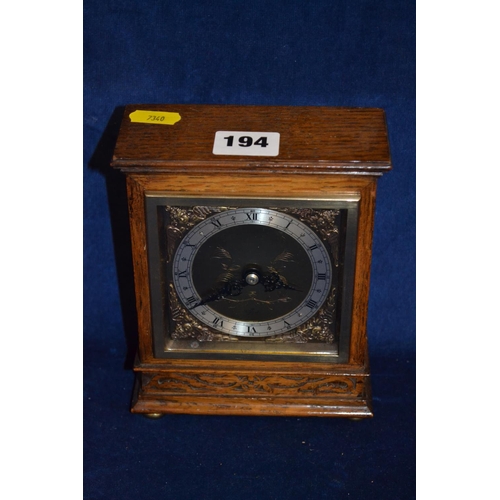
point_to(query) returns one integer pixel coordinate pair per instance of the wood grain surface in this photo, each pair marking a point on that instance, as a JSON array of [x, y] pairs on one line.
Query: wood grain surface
[[322, 138]]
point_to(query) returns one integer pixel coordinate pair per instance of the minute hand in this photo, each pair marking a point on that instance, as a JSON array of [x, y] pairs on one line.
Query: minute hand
[[229, 289]]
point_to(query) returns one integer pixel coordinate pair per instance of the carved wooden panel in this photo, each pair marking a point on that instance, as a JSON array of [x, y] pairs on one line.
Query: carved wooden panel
[[251, 384]]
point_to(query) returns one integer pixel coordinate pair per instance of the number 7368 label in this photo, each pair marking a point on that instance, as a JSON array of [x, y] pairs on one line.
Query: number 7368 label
[[246, 143]]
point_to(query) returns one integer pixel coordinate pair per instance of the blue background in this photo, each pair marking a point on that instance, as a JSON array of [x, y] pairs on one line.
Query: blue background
[[328, 53]]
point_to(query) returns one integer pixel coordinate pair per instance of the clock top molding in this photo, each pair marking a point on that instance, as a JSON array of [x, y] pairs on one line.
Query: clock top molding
[[312, 139]]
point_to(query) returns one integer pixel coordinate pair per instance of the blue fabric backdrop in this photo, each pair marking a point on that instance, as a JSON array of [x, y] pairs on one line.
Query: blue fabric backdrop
[[273, 52]]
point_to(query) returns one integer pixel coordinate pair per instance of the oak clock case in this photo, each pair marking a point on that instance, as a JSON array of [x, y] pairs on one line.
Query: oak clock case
[[251, 278], [251, 230]]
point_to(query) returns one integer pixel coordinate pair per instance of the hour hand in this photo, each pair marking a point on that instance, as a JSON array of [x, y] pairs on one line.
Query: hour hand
[[274, 281]]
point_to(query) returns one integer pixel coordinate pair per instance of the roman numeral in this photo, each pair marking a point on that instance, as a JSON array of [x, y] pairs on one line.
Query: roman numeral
[[311, 304], [216, 222], [321, 276], [251, 329], [218, 322], [252, 216]]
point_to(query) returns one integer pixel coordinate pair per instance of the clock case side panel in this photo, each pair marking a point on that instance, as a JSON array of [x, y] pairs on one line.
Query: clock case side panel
[[164, 301], [359, 339], [140, 262]]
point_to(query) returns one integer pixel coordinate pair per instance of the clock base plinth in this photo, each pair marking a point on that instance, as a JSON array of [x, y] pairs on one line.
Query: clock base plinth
[[284, 394]]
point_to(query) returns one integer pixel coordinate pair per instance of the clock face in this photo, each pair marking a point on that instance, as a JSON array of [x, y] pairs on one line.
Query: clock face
[[252, 272]]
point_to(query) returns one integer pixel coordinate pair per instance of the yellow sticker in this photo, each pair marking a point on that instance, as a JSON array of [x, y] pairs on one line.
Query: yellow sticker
[[156, 117]]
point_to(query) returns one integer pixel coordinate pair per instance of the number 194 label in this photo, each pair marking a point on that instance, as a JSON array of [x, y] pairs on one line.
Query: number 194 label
[[246, 143]]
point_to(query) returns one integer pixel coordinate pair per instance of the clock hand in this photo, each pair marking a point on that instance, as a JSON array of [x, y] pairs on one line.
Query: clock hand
[[271, 281], [274, 281], [229, 289]]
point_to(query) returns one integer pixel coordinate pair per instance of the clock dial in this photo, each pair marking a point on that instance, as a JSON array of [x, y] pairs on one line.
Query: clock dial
[[252, 272]]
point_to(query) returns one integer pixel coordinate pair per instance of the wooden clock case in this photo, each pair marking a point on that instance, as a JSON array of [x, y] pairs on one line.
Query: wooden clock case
[[323, 152]]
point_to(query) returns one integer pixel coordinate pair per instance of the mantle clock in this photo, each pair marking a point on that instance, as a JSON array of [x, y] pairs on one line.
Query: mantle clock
[[251, 232]]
